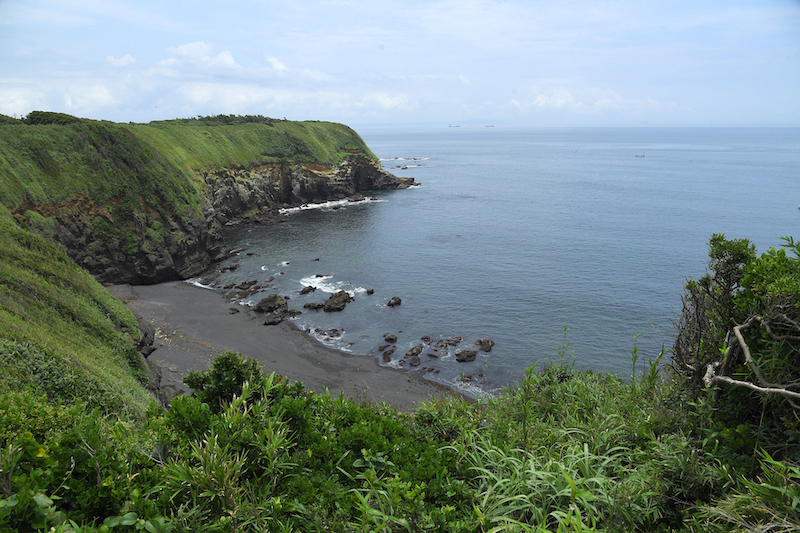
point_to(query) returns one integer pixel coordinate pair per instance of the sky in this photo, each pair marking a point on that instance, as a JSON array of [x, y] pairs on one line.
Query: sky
[[480, 62]]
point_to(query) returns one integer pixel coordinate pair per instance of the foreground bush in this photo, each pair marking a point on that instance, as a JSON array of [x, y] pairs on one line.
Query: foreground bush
[[561, 451]]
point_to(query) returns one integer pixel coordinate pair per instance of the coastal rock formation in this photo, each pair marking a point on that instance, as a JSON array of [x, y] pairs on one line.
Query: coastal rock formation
[[337, 302], [153, 246], [415, 351], [270, 304], [485, 345], [394, 301], [275, 308], [465, 356], [233, 194], [149, 244]]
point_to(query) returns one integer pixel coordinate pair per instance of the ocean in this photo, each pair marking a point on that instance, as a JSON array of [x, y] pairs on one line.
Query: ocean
[[552, 242]]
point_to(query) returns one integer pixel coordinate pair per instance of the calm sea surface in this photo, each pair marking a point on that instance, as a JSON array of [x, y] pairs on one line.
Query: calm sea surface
[[516, 234]]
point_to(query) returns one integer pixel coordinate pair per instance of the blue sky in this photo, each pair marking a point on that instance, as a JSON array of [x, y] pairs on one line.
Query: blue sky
[[522, 62]]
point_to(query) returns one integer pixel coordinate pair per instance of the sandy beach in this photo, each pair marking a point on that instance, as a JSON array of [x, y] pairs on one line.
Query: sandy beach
[[193, 324]]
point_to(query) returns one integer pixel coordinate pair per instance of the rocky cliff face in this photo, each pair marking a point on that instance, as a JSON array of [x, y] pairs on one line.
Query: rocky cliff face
[[150, 245], [234, 193]]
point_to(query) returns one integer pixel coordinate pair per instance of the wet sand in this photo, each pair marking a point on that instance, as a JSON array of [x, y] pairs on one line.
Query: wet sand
[[193, 324]]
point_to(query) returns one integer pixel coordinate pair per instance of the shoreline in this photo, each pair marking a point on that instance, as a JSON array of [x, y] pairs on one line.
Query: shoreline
[[193, 324]]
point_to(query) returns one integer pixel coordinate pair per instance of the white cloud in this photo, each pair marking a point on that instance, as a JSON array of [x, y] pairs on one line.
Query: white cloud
[[200, 55], [90, 98], [124, 61], [17, 99], [591, 101], [276, 65]]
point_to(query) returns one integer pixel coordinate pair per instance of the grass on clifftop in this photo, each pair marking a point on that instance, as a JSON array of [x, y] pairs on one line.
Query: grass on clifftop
[[50, 157], [62, 335]]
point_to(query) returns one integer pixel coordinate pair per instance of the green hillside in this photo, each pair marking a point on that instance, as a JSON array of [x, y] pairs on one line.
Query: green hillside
[[63, 337], [50, 157]]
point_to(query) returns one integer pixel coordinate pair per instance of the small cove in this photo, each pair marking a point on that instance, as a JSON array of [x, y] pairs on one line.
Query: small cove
[[516, 233]]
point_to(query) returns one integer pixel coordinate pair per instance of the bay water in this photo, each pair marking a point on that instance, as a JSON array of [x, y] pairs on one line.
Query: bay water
[[552, 242]]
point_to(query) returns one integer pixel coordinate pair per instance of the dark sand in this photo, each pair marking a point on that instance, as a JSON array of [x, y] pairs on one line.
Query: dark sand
[[194, 324]]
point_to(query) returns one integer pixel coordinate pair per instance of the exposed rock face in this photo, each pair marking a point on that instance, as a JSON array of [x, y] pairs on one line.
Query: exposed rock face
[[275, 308], [234, 193], [155, 246]]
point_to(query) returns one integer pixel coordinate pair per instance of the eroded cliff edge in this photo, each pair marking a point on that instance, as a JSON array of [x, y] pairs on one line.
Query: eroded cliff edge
[[143, 204]]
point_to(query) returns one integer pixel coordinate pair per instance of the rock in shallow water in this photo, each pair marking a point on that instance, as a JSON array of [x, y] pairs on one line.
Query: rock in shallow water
[[337, 302], [465, 356], [270, 304], [485, 345], [415, 351]]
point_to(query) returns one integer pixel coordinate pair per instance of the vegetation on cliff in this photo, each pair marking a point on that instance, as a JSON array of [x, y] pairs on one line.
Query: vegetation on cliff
[[63, 338], [51, 157], [129, 201]]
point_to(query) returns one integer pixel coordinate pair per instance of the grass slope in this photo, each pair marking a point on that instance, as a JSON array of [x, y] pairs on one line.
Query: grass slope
[[62, 335], [51, 157]]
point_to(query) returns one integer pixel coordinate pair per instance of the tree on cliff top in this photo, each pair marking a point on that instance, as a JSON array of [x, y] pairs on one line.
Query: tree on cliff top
[[739, 334]]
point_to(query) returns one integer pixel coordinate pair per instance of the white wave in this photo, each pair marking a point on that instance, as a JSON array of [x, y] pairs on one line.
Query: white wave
[[325, 205], [196, 283], [394, 363], [285, 263], [321, 283], [337, 343], [324, 284], [406, 159], [264, 268]]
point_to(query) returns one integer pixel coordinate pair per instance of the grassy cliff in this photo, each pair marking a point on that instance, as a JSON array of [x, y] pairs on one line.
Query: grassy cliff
[[51, 157], [128, 201], [63, 337]]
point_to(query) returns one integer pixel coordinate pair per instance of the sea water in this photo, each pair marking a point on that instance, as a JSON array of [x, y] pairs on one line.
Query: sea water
[[552, 242]]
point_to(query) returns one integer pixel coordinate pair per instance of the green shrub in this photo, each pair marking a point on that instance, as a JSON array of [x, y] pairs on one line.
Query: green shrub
[[228, 373]]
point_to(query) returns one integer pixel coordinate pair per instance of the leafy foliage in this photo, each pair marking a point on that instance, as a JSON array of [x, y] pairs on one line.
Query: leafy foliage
[[739, 336]]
